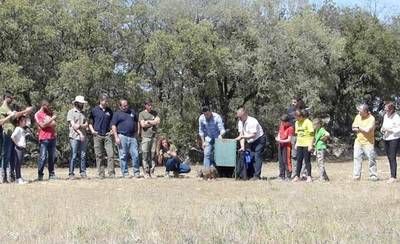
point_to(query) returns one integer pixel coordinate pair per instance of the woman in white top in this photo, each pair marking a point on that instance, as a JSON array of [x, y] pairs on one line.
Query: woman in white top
[[391, 135]]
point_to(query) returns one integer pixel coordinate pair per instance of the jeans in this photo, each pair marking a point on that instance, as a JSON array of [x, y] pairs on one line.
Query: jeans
[[209, 154], [174, 164], [391, 148], [257, 148], [148, 146], [303, 153], [369, 151], [127, 147], [7, 156], [285, 161], [47, 152], [321, 164], [104, 148], [18, 160], [78, 153]]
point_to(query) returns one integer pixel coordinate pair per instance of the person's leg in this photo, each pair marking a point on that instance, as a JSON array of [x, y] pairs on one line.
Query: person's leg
[[184, 168], [289, 161], [170, 164], [299, 157], [146, 147], [74, 155], [99, 151], [153, 149], [7, 148], [123, 155], [307, 161], [391, 151], [18, 159], [51, 149], [133, 150], [321, 164], [109, 146], [42, 158], [257, 148], [207, 155], [357, 155], [12, 161], [83, 147], [369, 150], [395, 160], [281, 160]]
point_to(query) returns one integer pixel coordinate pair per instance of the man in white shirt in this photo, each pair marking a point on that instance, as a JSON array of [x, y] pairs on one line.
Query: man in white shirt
[[250, 131]]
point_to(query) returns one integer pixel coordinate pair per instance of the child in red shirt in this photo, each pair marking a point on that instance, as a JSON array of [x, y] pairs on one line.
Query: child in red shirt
[[286, 131]]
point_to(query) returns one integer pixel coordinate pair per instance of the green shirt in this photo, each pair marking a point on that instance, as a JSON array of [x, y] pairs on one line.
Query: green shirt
[[319, 143], [8, 127], [149, 131]]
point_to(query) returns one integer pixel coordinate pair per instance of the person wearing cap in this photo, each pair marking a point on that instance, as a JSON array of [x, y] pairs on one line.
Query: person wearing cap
[[364, 127], [46, 123], [211, 127], [7, 130], [391, 136], [100, 126], [124, 125], [251, 132], [78, 126], [149, 121]]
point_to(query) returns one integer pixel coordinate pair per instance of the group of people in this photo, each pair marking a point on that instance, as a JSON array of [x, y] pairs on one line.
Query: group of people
[[298, 138], [108, 128]]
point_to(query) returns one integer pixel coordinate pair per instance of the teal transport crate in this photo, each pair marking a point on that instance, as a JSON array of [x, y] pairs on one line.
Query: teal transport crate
[[225, 152]]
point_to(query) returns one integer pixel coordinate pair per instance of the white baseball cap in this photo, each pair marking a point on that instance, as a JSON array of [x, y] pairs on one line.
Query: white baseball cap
[[79, 99]]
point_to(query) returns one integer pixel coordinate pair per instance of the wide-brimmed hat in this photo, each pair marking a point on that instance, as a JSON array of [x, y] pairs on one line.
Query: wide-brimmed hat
[[79, 99]]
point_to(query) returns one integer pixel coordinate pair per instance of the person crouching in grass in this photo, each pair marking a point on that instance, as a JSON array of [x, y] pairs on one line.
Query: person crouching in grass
[[167, 154], [305, 136], [284, 139], [18, 137], [320, 139]]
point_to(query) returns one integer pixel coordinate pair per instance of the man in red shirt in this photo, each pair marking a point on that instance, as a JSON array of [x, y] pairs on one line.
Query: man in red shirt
[[46, 122], [284, 138]]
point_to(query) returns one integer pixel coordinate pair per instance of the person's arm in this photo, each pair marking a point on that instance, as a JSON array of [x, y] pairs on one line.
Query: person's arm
[[311, 131], [24, 112], [115, 133], [201, 132], [289, 139], [43, 123], [6, 119], [172, 151], [325, 137], [221, 127], [91, 128]]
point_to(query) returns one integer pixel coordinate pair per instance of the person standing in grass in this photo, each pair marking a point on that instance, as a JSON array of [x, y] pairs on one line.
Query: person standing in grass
[[78, 126], [8, 128], [321, 136], [364, 127], [124, 125], [211, 127], [148, 120], [284, 139], [252, 133], [46, 123], [391, 136], [19, 139], [100, 127], [305, 136]]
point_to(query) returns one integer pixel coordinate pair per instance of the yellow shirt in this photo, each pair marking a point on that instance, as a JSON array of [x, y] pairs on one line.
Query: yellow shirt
[[365, 138], [304, 132]]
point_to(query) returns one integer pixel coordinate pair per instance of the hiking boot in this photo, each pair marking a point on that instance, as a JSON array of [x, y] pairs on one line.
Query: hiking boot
[[40, 178], [12, 178], [373, 178]]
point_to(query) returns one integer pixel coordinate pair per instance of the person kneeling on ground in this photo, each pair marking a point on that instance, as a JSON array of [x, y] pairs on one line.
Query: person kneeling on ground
[[168, 156]]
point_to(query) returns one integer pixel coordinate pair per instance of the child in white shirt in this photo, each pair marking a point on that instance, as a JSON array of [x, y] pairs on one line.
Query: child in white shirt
[[19, 138]]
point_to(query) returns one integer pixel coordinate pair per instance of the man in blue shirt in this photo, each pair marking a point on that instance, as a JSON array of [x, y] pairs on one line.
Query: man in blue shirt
[[124, 126], [211, 127], [100, 126]]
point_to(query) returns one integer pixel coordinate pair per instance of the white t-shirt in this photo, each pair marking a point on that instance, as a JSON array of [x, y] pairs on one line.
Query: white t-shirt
[[391, 123], [18, 136], [250, 126]]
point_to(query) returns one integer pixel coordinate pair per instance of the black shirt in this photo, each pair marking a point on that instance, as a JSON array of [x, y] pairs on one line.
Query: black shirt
[[101, 119], [126, 122]]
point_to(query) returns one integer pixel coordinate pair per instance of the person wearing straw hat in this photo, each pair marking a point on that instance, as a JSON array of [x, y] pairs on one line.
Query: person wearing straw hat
[[364, 127], [78, 126]]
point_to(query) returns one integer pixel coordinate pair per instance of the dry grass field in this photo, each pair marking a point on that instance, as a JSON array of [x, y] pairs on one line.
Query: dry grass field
[[189, 210]]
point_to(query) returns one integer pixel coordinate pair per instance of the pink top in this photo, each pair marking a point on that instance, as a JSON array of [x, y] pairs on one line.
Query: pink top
[[45, 133]]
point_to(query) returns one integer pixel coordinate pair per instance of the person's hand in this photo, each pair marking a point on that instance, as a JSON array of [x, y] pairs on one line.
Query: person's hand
[[295, 146], [220, 137], [238, 138], [356, 129], [54, 117], [310, 148], [117, 140], [28, 110], [241, 149], [95, 133], [277, 139]]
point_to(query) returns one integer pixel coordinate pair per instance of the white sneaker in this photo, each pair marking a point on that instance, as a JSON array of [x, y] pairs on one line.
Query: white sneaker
[[21, 181]]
